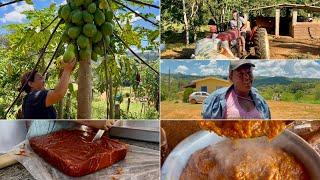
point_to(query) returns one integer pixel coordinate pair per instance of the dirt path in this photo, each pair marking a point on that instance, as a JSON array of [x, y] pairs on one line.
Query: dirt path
[[286, 47], [178, 51], [290, 110], [279, 110]]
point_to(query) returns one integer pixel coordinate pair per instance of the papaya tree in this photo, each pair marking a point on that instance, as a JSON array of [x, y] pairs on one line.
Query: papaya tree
[[84, 30]]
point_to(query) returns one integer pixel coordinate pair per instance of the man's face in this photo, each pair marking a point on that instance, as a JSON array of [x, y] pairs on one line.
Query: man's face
[[235, 15], [38, 82], [242, 78]]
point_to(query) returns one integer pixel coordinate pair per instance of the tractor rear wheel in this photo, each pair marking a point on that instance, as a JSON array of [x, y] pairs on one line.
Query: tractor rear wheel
[[261, 44]]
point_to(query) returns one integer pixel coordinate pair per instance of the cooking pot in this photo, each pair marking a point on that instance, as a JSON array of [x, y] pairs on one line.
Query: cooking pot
[[290, 142]]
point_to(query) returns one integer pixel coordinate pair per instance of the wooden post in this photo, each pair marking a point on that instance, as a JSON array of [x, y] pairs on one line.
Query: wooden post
[[117, 111], [111, 97], [169, 87], [294, 21], [68, 106], [277, 22], [60, 109], [128, 106], [84, 90], [294, 16]]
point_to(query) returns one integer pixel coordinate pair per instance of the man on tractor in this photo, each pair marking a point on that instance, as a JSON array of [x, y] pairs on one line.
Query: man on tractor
[[239, 23], [225, 45]]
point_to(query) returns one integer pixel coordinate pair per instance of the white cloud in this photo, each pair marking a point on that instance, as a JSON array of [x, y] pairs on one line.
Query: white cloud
[[158, 18], [270, 68], [135, 18], [291, 68], [194, 74], [15, 15], [307, 69], [181, 69], [212, 69], [24, 7], [63, 2]]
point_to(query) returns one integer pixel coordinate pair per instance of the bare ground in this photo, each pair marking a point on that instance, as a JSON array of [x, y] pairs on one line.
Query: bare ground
[[279, 110], [286, 47]]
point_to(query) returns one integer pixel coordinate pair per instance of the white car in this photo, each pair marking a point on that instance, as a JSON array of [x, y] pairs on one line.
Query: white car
[[198, 97]]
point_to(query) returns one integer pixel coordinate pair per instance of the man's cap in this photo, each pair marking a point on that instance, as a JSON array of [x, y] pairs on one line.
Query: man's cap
[[237, 63]]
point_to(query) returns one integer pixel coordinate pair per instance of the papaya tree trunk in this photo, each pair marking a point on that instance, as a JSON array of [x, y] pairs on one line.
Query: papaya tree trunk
[[84, 96]]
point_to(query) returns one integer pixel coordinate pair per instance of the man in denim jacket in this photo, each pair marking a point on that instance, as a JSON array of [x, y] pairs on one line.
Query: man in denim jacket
[[240, 100]]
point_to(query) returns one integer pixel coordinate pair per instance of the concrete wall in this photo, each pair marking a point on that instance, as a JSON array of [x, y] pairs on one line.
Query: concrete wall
[[306, 30], [212, 84]]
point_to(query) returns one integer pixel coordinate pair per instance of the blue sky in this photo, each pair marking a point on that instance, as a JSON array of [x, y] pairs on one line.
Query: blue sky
[[290, 68], [12, 13]]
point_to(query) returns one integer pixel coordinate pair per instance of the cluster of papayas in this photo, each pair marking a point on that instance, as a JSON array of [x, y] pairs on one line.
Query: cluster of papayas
[[87, 24]]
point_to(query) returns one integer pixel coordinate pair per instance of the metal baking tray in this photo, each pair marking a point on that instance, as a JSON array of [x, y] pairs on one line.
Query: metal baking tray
[[137, 130]]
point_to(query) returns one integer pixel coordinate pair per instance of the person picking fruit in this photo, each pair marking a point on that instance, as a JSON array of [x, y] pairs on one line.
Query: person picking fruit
[[38, 103]]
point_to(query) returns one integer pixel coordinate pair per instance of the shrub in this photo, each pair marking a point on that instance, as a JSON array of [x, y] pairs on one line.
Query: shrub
[[186, 94]]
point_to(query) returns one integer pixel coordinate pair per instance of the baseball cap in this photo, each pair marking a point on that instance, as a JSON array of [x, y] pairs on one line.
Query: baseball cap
[[237, 63]]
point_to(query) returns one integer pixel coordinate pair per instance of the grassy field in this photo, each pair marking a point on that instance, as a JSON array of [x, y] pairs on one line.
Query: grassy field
[[279, 110], [137, 109]]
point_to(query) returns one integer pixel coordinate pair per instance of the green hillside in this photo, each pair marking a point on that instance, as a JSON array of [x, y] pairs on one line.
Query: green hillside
[[305, 90]]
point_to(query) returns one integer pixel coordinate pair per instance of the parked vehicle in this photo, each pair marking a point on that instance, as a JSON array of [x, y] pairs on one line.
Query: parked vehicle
[[198, 97]]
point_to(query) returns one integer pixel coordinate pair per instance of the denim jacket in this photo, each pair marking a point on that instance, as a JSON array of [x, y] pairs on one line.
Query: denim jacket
[[214, 107]]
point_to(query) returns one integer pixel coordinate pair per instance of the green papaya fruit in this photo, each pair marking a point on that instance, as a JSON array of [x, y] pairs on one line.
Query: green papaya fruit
[[78, 2], [87, 17], [69, 54], [92, 8], [99, 17], [72, 5], [107, 29], [107, 41], [65, 12], [89, 30], [74, 32], [76, 17], [86, 3], [65, 37], [83, 41], [109, 15], [98, 48], [97, 37]]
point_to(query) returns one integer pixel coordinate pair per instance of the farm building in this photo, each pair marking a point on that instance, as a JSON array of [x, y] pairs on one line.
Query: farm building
[[291, 24], [209, 84]]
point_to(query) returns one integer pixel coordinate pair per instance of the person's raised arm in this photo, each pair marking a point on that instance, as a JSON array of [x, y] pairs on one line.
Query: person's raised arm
[[61, 88]]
